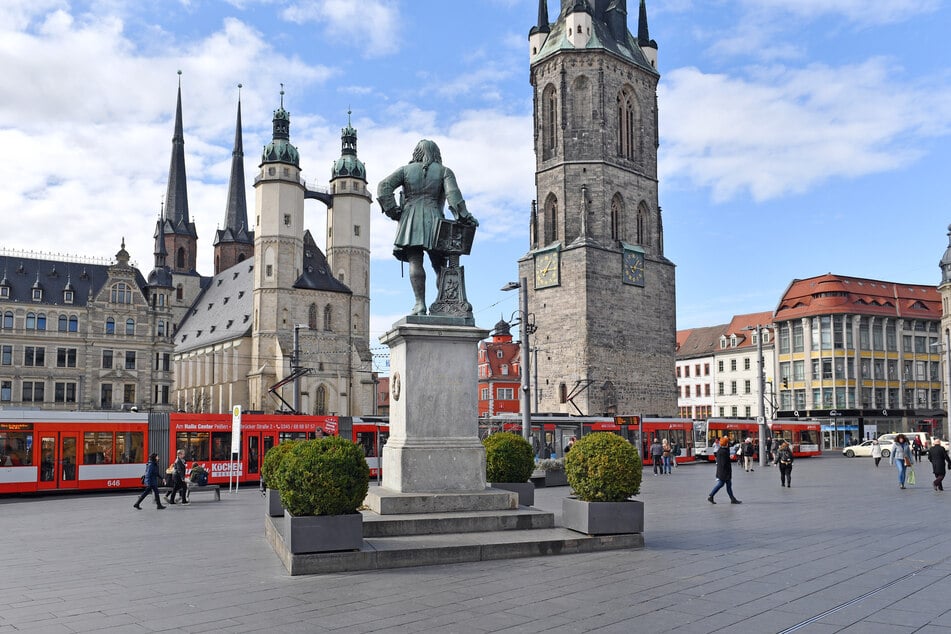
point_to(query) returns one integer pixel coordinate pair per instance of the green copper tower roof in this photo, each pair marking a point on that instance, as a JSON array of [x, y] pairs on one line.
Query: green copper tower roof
[[348, 164], [280, 150]]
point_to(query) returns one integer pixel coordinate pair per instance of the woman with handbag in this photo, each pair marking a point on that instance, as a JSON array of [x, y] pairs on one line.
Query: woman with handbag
[[901, 457], [785, 459]]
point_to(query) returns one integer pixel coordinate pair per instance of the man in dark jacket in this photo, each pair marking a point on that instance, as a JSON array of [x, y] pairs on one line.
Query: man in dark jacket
[[657, 456], [724, 472], [938, 457], [178, 478]]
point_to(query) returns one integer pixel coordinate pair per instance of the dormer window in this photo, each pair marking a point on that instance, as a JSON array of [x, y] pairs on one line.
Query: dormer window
[[498, 353], [722, 342], [37, 294], [67, 297], [732, 341], [5, 292]]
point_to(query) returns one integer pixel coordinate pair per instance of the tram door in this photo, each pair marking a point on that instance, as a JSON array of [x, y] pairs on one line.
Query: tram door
[[58, 469], [254, 457]]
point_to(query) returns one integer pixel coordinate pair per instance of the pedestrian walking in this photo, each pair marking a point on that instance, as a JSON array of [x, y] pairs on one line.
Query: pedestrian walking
[[724, 473], [774, 450], [178, 479], [917, 448], [674, 452], [657, 456], [876, 452], [748, 454], [901, 457], [151, 479], [666, 455], [939, 459], [784, 458]]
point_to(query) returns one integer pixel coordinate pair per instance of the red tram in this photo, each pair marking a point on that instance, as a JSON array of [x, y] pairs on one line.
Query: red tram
[[50, 451], [803, 437], [63, 451]]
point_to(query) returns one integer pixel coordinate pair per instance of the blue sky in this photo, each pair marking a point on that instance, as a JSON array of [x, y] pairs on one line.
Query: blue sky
[[798, 137]]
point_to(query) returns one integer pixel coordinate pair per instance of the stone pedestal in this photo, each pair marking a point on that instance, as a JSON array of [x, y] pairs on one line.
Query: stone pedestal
[[434, 442]]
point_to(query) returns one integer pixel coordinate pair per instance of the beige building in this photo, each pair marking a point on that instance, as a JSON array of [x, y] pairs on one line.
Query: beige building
[[77, 334], [284, 327]]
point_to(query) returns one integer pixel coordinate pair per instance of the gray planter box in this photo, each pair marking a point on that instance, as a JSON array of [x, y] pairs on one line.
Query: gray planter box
[[275, 508], [323, 533], [556, 479], [525, 490], [603, 518]]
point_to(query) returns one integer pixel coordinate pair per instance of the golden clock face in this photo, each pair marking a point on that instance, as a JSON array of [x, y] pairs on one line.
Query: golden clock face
[[634, 268], [546, 269]]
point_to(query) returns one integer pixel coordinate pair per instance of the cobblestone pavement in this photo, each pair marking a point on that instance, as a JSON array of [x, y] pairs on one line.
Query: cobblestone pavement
[[843, 550]]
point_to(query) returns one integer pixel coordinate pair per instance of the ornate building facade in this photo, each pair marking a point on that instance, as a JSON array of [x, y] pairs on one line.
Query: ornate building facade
[[599, 286]]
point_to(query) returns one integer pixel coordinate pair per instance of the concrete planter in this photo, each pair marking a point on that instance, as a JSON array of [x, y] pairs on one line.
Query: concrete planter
[[275, 508], [322, 533], [525, 490], [553, 478], [603, 518]]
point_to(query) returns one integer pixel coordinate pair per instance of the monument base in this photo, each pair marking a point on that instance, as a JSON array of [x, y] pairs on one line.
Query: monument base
[[388, 502]]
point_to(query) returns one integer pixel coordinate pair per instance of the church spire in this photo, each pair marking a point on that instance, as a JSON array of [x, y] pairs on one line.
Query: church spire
[[176, 197], [236, 214], [542, 26], [644, 40]]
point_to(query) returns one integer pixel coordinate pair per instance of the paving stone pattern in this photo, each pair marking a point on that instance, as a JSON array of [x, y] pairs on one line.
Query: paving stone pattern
[[843, 550]]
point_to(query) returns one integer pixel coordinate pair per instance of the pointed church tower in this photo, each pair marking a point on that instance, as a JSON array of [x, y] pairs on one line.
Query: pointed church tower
[[181, 239], [235, 243], [348, 232], [599, 285]]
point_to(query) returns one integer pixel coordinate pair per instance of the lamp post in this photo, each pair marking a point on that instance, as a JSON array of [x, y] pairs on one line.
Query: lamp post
[[761, 382], [525, 369]]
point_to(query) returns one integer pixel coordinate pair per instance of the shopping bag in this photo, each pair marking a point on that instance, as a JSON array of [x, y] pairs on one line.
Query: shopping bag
[[910, 477]]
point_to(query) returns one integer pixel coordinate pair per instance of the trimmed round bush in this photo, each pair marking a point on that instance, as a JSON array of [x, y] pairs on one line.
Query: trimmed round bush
[[325, 476], [603, 467], [508, 458], [272, 461]]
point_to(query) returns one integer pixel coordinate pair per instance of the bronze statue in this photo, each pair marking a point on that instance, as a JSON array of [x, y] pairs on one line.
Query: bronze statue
[[427, 186]]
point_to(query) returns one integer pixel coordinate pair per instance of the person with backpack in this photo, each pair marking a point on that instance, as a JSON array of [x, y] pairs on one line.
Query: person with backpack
[[178, 479], [151, 481], [724, 472]]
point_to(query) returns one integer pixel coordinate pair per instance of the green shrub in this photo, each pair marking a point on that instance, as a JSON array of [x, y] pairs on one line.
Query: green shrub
[[272, 461], [603, 467], [508, 458], [325, 476], [551, 464]]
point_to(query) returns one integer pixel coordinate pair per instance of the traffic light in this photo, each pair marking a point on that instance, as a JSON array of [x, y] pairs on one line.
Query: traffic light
[[785, 382]]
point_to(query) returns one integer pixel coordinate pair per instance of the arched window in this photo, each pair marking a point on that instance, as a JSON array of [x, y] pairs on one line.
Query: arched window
[[180, 258], [627, 124], [179, 292], [617, 217], [121, 293], [63, 323], [130, 326], [161, 328], [549, 121], [8, 319], [328, 318], [643, 225], [581, 103], [320, 406], [562, 393], [551, 220], [41, 321], [74, 324], [312, 317], [110, 326], [31, 321]]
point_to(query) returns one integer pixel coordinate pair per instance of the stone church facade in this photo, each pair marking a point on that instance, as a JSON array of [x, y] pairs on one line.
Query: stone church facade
[[600, 289]]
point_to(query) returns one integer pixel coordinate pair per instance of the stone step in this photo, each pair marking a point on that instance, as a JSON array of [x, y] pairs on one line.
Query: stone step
[[387, 502], [523, 518], [379, 553]]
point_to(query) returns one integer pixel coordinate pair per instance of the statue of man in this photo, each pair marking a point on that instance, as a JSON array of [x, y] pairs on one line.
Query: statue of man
[[427, 186]]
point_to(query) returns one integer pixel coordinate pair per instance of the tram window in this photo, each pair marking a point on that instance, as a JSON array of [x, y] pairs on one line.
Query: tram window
[[194, 443], [221, 445], [97, 447], [365, 440], [284, 436], [16, 449], [129, 447]]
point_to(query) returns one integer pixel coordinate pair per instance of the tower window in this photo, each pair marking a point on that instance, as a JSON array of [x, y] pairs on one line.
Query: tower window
[[287, 219], [627, 124], [356, 230]]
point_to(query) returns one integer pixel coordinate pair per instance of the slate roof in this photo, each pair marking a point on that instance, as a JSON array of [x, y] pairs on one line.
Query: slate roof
[[85, 280], [222, 312], [316, 274], [700, 342]]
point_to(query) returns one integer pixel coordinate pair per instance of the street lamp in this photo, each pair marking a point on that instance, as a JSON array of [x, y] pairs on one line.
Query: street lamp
[[524, 328], [761, 382]]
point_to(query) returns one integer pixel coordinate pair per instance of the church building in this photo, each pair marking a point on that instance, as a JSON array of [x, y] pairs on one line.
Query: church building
[[280, 326], [599, 287]]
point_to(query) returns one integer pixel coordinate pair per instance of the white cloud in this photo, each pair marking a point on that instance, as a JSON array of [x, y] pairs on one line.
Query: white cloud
[[374, 23], [782, 130]]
